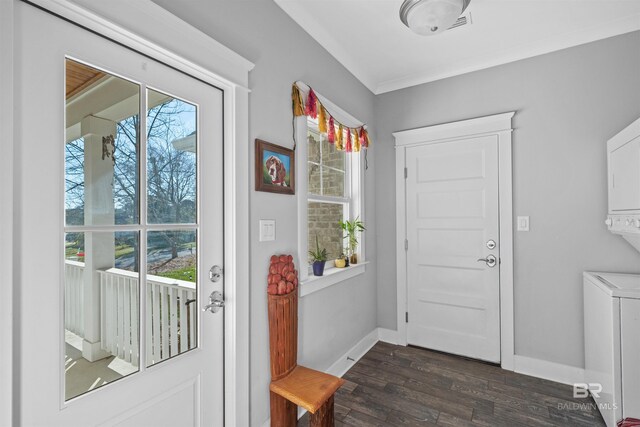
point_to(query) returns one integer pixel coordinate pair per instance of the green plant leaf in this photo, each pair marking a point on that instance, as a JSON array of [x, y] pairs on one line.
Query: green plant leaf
[[320, 254], [352, 228]]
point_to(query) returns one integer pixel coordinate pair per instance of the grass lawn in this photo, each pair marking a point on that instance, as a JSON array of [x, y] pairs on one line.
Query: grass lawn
[[71, 251], [188, 274], [122, 250]]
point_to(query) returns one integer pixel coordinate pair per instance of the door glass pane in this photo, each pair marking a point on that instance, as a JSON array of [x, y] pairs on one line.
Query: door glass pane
[[171, 160], [101, 309], [101, 147], [324, 219], [172, 307]]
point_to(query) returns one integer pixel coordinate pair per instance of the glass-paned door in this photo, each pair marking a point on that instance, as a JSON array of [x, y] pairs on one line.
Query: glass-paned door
[[121, 223]]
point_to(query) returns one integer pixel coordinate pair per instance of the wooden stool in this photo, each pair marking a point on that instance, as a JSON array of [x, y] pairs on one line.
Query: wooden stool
[[291, 384]]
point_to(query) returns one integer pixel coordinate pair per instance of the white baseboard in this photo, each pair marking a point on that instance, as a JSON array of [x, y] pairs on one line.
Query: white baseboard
[[552, 371], [538, 368], [388, 336], [355, 353], [345, 362]]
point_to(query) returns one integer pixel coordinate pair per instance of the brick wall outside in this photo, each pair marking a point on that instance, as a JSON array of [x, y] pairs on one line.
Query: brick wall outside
[[323, 222], [324, 217]]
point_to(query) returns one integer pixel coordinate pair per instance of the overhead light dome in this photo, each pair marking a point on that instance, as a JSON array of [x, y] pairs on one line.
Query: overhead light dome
[[430, 17]]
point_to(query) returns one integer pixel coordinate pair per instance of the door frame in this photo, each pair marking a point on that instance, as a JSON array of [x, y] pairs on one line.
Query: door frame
[[202, 58], [6, 214], [500, 126]]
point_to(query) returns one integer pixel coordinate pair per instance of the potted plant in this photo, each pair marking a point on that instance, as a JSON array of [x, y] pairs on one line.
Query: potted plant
[[342, 261], [319, 257], [352, 228]]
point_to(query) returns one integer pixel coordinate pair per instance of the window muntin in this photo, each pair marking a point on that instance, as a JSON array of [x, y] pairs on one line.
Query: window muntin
[[108, 211]]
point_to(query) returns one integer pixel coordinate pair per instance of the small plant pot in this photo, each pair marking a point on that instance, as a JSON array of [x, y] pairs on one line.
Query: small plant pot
[[346, 261], [318, 268], [340, 263], [353, 259]]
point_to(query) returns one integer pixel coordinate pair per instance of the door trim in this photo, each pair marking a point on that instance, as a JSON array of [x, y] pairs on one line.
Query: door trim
[[216, 65], [6, 214], [500, 126]]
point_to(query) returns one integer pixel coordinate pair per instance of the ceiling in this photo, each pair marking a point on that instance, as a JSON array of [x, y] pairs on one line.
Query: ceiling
[[79, 77], [369, 39]]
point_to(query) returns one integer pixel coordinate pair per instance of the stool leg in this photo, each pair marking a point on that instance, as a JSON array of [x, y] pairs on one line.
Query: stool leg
[[323, 416], [283, 412]]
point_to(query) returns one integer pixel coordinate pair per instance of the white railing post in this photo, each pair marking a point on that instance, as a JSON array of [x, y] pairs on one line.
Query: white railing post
[[149, 324], [74, 297]]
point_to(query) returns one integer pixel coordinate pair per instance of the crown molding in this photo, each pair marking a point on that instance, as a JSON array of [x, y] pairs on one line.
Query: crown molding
[[540, 47]]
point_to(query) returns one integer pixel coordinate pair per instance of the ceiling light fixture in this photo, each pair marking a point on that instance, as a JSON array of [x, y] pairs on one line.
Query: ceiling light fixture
[[430, 17]]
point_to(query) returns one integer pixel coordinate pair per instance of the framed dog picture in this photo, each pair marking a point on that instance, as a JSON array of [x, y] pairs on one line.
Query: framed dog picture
[[275, 168]]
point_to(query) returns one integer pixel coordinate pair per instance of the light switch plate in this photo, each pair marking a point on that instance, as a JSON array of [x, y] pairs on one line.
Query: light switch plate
[[523, 223], [267, 230]]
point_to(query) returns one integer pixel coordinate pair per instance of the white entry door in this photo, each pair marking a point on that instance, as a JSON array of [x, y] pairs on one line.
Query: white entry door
[[119, 220], [452, 226]]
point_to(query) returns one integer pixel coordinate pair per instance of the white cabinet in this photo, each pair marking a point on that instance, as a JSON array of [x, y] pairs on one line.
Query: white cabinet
[[630, 342], [612, 343], [623, 157], [624, 174]]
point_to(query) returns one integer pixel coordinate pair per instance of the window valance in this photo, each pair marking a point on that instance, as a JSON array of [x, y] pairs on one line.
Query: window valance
[[343, 137]]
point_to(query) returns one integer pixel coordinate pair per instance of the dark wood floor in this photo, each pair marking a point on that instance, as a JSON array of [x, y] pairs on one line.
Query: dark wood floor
[[406, 386]]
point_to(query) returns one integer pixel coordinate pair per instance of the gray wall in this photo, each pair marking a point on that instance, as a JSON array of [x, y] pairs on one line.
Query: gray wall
[[567, 104], [330, 323]]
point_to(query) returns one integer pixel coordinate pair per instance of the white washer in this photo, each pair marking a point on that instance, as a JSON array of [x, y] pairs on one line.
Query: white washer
[[612, 343]]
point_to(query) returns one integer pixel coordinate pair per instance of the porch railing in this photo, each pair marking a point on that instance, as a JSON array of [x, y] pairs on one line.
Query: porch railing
[[170, 313], [170, 317], [74, 297], [119, 314]]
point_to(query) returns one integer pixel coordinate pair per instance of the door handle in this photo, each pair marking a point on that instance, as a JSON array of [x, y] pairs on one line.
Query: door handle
[[490, 260], [215, 302]]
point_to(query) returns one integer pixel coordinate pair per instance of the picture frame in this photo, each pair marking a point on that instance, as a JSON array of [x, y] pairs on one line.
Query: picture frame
[[275, 168]]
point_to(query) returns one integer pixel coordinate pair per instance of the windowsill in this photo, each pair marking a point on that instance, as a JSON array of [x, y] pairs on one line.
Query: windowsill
[[331, 277]]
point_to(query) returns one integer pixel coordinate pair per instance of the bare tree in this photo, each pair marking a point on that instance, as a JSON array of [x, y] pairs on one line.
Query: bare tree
[[171, 173], [74, 182]]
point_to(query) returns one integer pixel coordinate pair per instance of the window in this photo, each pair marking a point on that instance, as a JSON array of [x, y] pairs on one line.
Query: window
[[333, 193], [107, 219]]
